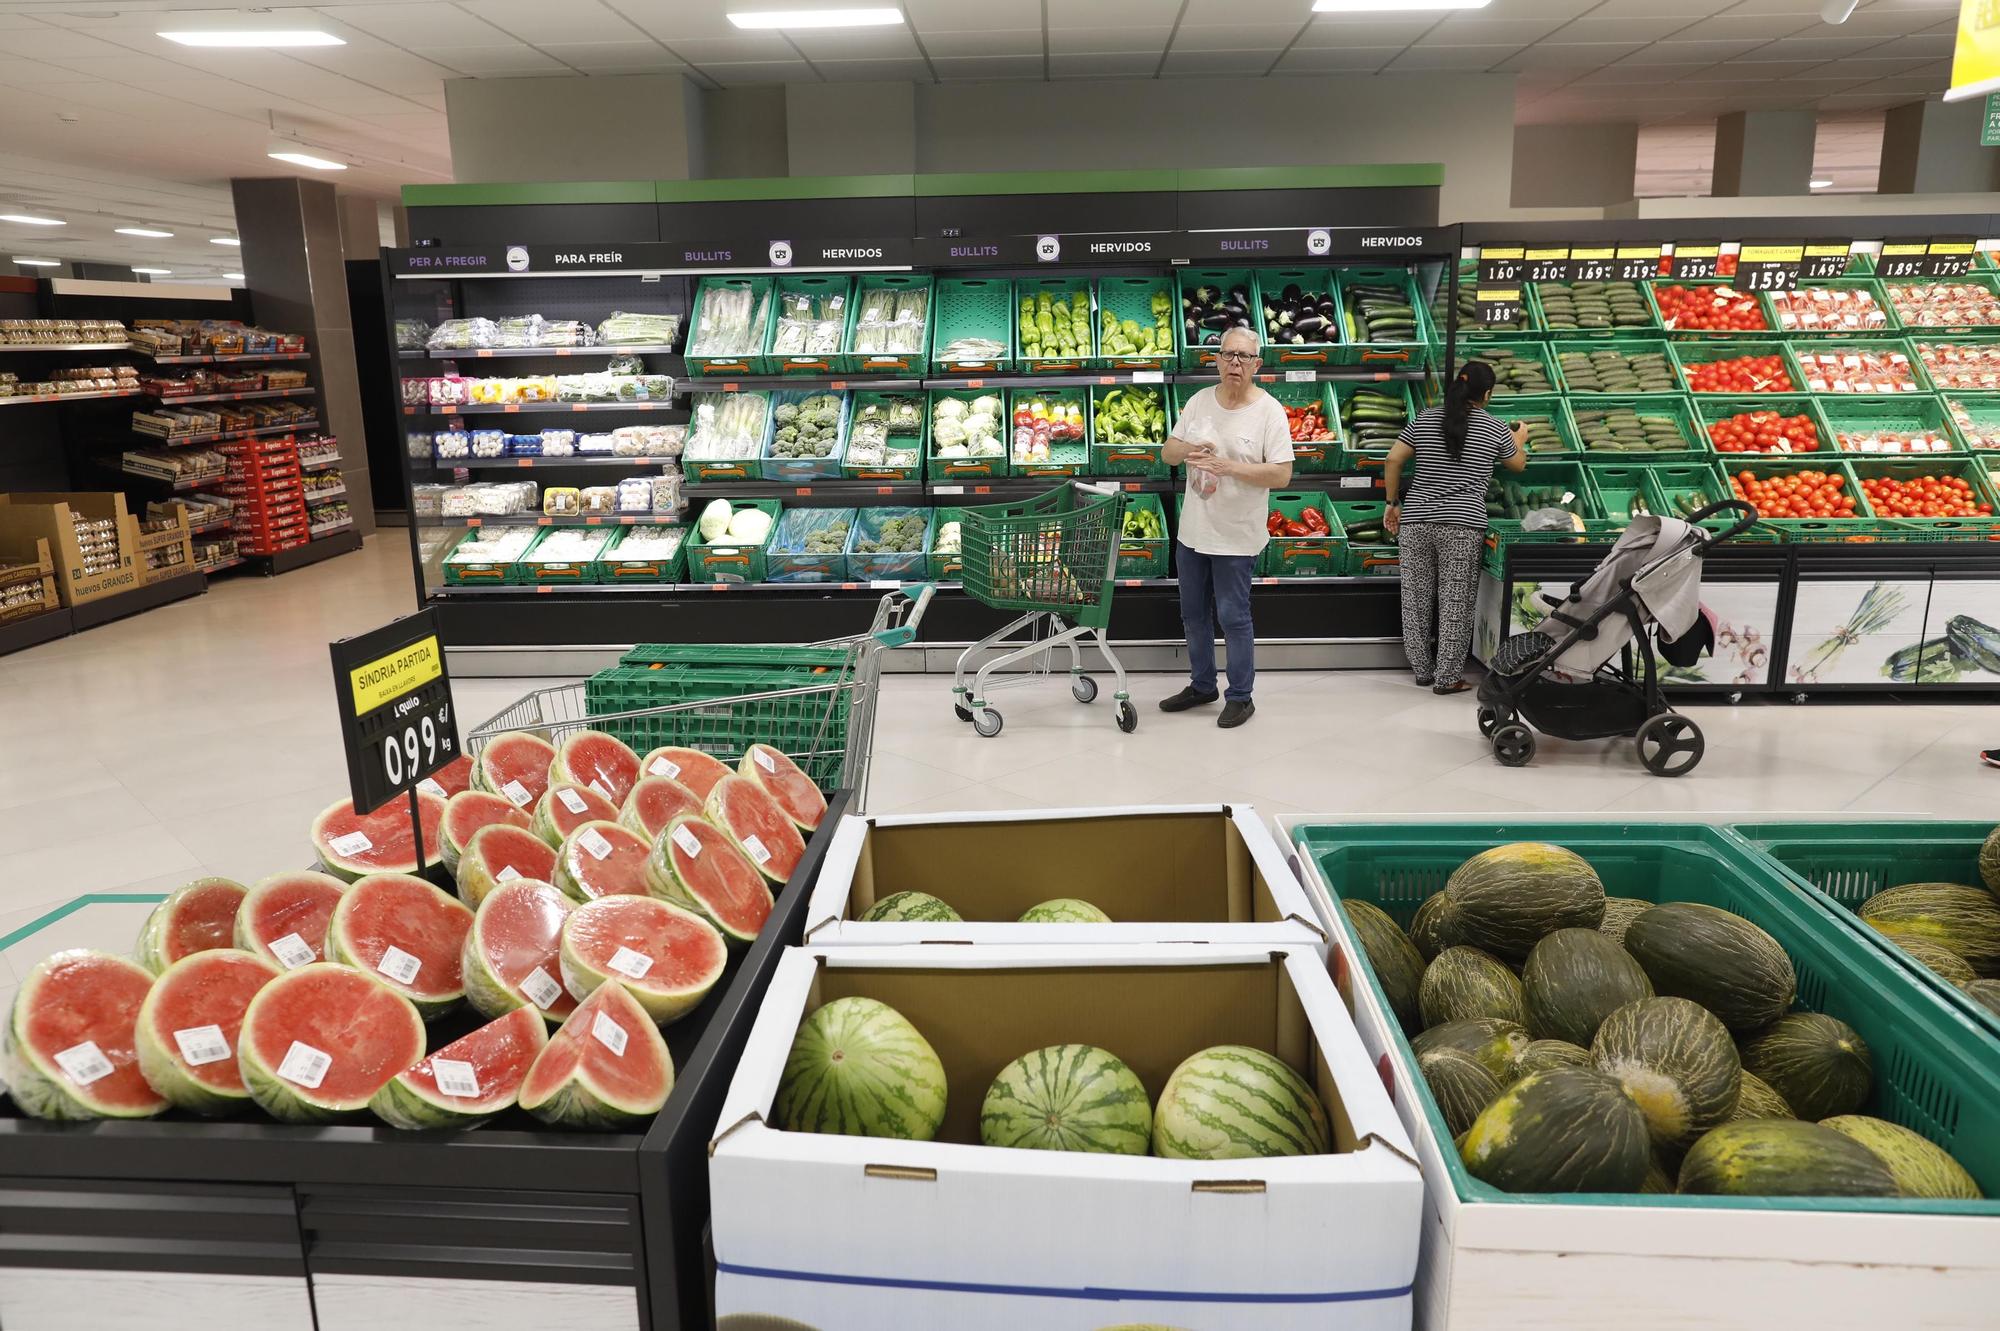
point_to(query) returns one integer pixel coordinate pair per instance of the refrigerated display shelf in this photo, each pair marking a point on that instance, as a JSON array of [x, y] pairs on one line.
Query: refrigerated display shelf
[[177, 400], [574, 460], [319, 464], [221, 358], [534, 408], [184, 483], [491, 353], [220, 566]]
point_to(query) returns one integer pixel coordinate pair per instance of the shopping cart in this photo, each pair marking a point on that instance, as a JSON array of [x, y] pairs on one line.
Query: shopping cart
[[1051, 557], [825, 722]]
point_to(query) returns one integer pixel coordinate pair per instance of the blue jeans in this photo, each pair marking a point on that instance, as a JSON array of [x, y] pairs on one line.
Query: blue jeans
[[1227, 579]]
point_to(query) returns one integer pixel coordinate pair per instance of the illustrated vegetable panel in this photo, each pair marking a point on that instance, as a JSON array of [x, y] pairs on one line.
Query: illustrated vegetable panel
[[1846, 632]]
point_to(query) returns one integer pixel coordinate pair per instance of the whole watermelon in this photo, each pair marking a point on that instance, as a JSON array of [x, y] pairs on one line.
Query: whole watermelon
[[1064, 910], [1564, 1130], [1507, 899], [1233, 1102], [859, 1068], [1965, 920], [911, 907], [1068, 1097]]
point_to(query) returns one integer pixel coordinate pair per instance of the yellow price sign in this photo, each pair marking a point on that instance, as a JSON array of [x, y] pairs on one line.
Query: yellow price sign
[[387, 678]]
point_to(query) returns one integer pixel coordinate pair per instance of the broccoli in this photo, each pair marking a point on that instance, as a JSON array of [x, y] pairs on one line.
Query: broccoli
[[786, 413]]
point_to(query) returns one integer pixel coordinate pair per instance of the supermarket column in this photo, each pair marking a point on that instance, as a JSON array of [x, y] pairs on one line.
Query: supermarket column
[[1238, 448]]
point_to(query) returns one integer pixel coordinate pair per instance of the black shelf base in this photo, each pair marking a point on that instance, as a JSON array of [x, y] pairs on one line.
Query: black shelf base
[[21, 634], [139, 600], [326, 547]]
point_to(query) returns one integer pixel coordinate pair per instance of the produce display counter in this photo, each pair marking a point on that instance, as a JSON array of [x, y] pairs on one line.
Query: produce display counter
[[274, 1227]]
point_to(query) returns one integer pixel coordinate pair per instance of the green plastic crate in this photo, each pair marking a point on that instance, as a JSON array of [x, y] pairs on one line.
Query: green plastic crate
[[478, 575], [1815, 379], [1862, 526], [1406, 351], [811, 728], [1130, 299], [913, 442], [833, 286], [778, 658], [1710, 408], [897, 565], [1985, 281], [966, 307], [1128, 459], [1620, 489], [1316, 352], [1521, 369], [1540, 292], [1677, 409], [785, 559], [579, 574], [1356, 454], [1065, 459], [1303, 556], [1967, 469], [1975, 420], [615, 567], [1548, 409], [1675, 489], [852, 360], [1197, 356], [965, 468], [1829, 329], [778, 468], [1060, 290], [711, 471], [951, 566], [1934, 1073], [1865, 420], [741, 363], [1524, 325], [1144, 557], [727, 560], [1687, 355], [1568, 477], [1625, 349], [1366, 559], [1758, 299], [1839, 865]]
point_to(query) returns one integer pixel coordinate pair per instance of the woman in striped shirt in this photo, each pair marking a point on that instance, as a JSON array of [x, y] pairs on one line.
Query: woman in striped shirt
[[1440, 519]]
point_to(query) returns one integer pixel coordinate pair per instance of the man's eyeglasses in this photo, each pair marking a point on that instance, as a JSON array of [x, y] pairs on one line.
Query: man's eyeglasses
[[1237, 357]]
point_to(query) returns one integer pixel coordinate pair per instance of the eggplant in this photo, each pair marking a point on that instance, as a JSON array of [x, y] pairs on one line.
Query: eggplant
[[1292, 293], [1244, 322], [1218, 320], [1312, 325]]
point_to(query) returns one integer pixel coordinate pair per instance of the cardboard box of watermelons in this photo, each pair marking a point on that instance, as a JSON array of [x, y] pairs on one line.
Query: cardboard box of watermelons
[[1161, 1223], [1207, 873]]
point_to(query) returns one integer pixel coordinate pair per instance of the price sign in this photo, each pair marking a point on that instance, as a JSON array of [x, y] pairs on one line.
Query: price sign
[[1905, 258], [1950, 256], [1497, 305], [1825, 259], [1502, 264], [1769, 267], [1548, 263], [1594, 263], [1637, 263], [395, 708], [1696, 259]]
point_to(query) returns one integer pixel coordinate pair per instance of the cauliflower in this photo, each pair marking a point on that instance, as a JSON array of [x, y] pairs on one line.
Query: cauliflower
[[949, 432], [951, 409], [987, 404]]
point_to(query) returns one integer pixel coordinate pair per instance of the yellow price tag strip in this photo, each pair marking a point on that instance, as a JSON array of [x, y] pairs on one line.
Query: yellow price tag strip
[[387, 678]]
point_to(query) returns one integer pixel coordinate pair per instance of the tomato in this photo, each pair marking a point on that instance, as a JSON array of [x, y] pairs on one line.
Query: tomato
[[1711, 309]]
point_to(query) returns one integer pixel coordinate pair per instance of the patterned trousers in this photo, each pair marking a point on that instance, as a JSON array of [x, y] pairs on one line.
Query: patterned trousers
[[1440, 570]]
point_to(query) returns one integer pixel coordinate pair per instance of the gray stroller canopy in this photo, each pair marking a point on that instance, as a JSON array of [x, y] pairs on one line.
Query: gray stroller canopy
[[1660, 556]]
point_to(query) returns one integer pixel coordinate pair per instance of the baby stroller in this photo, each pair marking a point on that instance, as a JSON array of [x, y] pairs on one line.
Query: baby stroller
[[1574, 675]]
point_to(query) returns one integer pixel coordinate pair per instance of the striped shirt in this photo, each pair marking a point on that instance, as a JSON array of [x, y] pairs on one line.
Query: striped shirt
[[1441, 490]]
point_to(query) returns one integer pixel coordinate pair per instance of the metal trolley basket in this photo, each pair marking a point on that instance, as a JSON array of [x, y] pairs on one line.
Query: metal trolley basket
[[1053, 558], [826, 723]]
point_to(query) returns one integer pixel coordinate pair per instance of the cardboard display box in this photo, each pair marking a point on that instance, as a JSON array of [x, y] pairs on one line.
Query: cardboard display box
[[27, 580], [861, 1233], [157, 540], [48, 516], [1198, 873]]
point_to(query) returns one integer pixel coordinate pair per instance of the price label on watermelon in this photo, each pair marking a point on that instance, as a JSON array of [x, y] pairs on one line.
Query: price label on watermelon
[[455, 1078], [756, 849], [292, 951], [518, 795], [353, 843], [593, 841], [541, 990], [430, 786], [572, 801], [634, 964], [685, 838], [508, 873], [608, 1033], [202, 1044], [399, 966], [765, 760], [665, 767], [84, 1063], [597, 784], [304, 1065]]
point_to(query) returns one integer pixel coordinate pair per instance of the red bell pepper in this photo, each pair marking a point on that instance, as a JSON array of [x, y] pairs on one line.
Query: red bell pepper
[[1274, 525], [1314, 520]]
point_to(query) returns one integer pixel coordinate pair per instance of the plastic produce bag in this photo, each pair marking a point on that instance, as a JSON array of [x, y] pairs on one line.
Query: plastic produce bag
[[809, 545], [731, 321], [890, 542], [728, 427]]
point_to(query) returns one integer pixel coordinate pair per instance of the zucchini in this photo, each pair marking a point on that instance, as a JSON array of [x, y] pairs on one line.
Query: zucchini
[[1973, 645]]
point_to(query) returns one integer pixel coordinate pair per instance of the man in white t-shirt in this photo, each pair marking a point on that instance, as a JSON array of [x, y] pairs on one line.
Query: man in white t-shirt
[[1238, 448]]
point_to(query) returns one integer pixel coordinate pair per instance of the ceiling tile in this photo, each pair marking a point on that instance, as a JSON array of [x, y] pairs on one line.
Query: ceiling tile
[[960, 68], [1627, 75], [910, 70], [673, 21], [931, 17], [1473, 58], [571, 22], [1103, 66], [1594, 29], [1215, 64], [1551, 55], [748, 48], [1337, 59], [1474, 29], [495, 61], [1025, 41], [1109, 13], [759, 71], [1237, 37], [1810, 8], [859, 44], [1763, 27], [634, 57], [55, 44], [36, 73], [1864, 67], [419, 25], [1681, 53], [1925, 45], [1217, 13], [1091, 41], [1518, 10], [1364, 30]]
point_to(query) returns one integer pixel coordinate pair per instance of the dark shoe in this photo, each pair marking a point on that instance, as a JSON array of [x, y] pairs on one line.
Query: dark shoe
[[1187, 698], [1457, 686], [1423, 681], [1235, 712], [1990, 757]]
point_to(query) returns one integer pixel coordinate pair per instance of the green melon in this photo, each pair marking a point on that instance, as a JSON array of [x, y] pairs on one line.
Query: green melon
[[1658, 1180], [1986, 993], [1064, 910], [859, 1068], [1460, 1084], [1505, 900], [1965, 920], [1463, 983], [1494, 1041], [1756, 1099], [1782, 1157], [1428, 928], [1619, 912], [1068, 1097], [910, 907], [1922, 1168], [1233, 1102], [1940, 961], [1989, 861], [1818, 1063], [1564, 1130], [1397, 964], [1676, 1062], [1541, 1055], [1712, 957], [1574, 979]]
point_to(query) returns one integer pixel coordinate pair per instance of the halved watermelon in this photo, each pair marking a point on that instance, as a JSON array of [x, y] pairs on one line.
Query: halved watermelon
[[500, 854], [602, 860], [466, 813], [785, 782], [353, 845], [449, 780], [566, 806], [600, 761], [192, 919], [512, 956], [469, 1080], [696, 865], [515, 765], [406, 933], [669, 957], [655, 802], [694, 769], [760, 829], [69, 1051], [187, 1031], [284, 917], [318, 1042], [606, 1068]]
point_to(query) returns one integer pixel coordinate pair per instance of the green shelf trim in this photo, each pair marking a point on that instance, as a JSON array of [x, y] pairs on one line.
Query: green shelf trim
[[783, 187], [948, 184], [1312, 177], [75, 904], [580, 191]]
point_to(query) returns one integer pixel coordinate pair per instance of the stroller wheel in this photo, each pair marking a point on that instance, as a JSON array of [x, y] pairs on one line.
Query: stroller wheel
[[961, 711], [1670, 744], [1489, 719], [1514, 744]]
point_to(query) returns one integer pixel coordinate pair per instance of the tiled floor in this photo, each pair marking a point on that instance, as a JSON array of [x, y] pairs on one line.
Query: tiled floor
[[199, 739]]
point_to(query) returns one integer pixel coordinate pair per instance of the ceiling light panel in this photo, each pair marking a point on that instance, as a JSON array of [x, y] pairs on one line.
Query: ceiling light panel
[[147, 232], [298, 158], [797, 20], [274, 38]]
